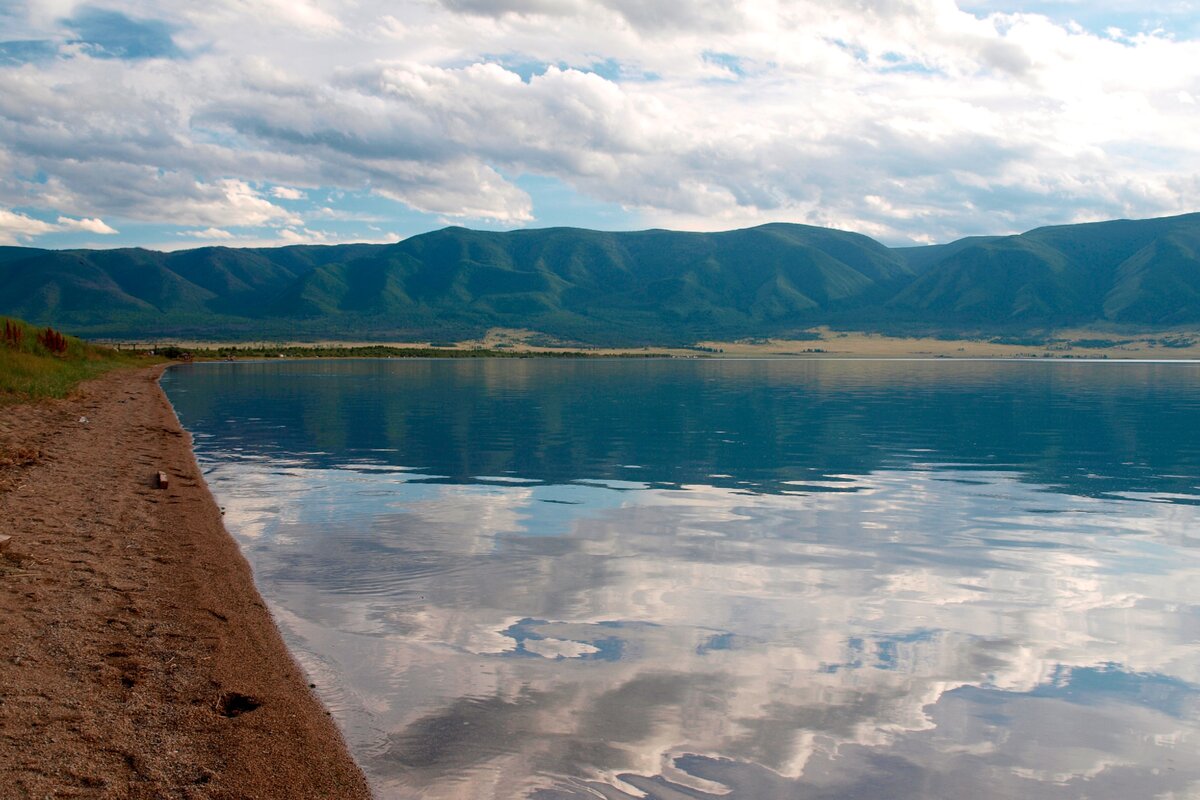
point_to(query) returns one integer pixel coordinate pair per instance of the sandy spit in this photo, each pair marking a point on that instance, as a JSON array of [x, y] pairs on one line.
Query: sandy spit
[[137, 659]]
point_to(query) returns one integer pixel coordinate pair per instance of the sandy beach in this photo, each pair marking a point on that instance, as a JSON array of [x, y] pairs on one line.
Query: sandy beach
[[137, 659]]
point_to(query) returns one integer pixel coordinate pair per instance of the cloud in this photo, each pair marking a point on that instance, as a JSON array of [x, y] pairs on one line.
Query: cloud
[[93, 225], [303, 236], [286, 193], [208, 233], [309, 236], [222, 202], [642, 15], [909, 119], [17, 228], [219, 237], [302, 15]]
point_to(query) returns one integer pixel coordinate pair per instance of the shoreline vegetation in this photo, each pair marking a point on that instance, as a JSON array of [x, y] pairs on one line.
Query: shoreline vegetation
[[43, 363], [821, 342]]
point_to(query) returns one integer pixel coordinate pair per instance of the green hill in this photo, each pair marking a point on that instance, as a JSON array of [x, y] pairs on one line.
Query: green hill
[[589, 285], [1144, 272], [618, 288]]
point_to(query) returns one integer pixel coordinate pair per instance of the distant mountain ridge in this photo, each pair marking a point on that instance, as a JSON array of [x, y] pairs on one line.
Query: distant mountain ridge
[[627, 287]]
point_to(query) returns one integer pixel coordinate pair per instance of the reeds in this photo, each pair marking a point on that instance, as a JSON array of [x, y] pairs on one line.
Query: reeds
[[40, 363], [53, 341], [14, 334]]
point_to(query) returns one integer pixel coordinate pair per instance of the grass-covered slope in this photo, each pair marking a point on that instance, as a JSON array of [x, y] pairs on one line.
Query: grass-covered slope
[[589, 285], [35, 366], [654, 286], [1144, 272]]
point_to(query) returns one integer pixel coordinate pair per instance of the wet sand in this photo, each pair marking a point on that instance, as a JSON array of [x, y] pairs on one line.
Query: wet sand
[[137, 659]]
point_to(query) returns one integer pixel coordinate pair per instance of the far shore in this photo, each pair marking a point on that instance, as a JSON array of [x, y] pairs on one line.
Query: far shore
[[138, 659], [816, 343]]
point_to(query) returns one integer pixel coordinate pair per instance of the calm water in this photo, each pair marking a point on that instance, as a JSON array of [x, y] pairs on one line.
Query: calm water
[[738, 579]]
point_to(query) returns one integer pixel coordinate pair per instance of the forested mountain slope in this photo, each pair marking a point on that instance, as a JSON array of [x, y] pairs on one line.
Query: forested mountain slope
[[601, 287]]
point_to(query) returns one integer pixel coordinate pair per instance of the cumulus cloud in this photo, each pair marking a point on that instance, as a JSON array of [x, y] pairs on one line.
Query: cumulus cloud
[[92, 225], [219, 237], [287, 193], [643, 15], [208, 233], [303, 236], [906, 120], [17, 228]]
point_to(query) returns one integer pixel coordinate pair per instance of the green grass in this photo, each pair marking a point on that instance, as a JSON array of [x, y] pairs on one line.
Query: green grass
[[29, 371]]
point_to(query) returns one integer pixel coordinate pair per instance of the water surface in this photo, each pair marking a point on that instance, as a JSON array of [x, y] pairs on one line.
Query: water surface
[[738, 579]]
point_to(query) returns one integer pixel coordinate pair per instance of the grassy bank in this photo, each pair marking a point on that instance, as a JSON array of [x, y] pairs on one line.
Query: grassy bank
[[37, 363]]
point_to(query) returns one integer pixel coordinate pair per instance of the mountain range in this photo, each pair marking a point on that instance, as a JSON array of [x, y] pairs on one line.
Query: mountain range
[[652, 286]]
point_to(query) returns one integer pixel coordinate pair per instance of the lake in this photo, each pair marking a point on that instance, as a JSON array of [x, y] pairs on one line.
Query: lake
[[728, 578]]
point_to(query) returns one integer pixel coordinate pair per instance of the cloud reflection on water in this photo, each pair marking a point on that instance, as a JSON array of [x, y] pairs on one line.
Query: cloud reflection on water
[[924, 627], [746, 580]]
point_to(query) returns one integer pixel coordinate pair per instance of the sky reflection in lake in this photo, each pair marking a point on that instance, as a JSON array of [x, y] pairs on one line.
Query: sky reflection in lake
[[746, 579]]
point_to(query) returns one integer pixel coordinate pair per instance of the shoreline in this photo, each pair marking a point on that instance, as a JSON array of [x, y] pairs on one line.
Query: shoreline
[[137, 659], [822, 343]]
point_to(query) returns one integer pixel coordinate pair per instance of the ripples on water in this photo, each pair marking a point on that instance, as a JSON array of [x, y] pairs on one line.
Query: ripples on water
[[739, 579]]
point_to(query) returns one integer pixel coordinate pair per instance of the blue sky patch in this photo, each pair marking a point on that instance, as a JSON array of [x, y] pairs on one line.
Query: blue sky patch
[[111, 34], [24, 52], [557, 204], [727, 61], [895, 62], [1181, 19], [608, 68]]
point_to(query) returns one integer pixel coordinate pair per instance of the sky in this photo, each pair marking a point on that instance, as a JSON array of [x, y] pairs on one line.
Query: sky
[[271, 122]]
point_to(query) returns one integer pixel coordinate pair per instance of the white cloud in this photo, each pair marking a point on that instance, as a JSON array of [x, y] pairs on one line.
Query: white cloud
[[304, 16], [303, 236], [93, 225], [287, 193], [17, 228], [709, 115], [208, 233], [229, 202], [218, 237], [309, 236]]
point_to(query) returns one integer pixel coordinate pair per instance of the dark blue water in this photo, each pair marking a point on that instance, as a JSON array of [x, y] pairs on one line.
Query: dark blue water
[[739, 579]]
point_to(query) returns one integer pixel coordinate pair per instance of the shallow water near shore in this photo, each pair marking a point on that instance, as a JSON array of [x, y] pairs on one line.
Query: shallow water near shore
[[738, 579]]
